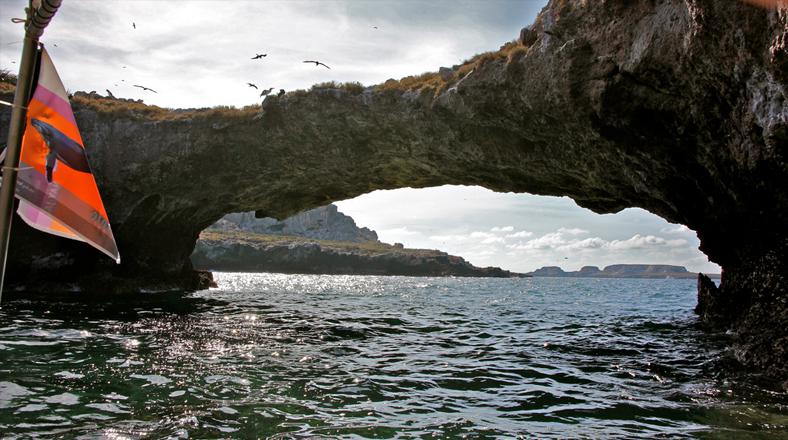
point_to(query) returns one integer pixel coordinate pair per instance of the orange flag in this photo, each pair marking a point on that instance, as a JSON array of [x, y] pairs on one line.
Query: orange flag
[[55, 187]]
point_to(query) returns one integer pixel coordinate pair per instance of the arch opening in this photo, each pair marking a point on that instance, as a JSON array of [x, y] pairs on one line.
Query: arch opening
[[520, 233]]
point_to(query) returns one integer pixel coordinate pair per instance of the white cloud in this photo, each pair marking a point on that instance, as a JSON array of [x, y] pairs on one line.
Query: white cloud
[[212, 66], [547, 241], [449, 238], [588, 243], [643, 241], [502, 229], [520, 234], [398, 231], [556, 241], [678, 229], [572, 231]]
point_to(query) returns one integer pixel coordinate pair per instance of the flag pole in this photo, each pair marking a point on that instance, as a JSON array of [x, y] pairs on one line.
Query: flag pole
[[37, 19]]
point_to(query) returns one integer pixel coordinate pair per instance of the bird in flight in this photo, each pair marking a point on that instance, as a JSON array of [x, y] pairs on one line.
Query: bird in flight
[[252, 85], [145, 88], [259, 55], [134, 25], [374, 27], [318, 63], [265, 92]]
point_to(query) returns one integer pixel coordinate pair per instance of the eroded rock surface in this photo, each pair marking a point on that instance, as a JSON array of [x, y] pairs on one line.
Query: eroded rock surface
[[677, 107]]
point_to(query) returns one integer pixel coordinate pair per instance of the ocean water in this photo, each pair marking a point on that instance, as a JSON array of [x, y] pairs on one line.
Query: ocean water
[[297, 356]]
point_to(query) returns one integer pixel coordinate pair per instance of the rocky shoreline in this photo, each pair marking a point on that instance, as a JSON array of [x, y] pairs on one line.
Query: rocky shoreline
[[243, 251]]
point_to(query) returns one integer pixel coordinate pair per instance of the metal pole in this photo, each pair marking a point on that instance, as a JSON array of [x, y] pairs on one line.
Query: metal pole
[[36, 22]]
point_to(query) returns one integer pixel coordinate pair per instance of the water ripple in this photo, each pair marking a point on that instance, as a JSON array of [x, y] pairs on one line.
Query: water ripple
[[291, 356]]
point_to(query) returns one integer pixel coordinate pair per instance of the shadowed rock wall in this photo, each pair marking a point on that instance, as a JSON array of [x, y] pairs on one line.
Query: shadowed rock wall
[[677, 107]]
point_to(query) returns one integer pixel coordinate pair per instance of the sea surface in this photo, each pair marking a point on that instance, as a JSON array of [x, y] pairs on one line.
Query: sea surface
[[304, 356]]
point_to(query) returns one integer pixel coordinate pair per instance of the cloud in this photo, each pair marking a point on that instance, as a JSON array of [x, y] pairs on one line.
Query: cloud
[[643, 241], [398, 231], [502, 229], [449, 238], [556, 241], [572, 231], [520, 234], [548, 241], [195, 55], [678, 229], [588, 243]]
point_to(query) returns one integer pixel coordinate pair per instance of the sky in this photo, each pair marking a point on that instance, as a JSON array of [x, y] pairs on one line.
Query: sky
[[198, 54]]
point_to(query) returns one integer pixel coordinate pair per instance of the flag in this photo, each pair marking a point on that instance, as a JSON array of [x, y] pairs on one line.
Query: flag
[[55, 187]]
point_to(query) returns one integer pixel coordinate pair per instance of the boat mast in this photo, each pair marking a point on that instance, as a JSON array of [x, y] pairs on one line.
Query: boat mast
[[39, 14]]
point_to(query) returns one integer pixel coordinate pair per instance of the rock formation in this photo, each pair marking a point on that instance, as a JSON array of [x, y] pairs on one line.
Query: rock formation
[[323, 223], [251, 252], [320, 241], [676, 107], [620, 271]]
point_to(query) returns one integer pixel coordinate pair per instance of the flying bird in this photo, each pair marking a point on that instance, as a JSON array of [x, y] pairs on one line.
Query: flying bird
[[134, 25], [145, 88], [265, 92], [252, 85], [318, 63], [374, 27], [259, 55]]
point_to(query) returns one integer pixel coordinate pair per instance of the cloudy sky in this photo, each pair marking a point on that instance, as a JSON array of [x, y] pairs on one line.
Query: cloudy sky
[[197, 54]]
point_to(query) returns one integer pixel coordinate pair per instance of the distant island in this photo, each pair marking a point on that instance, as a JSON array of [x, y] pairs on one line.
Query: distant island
[[621, 271], [320, 241]]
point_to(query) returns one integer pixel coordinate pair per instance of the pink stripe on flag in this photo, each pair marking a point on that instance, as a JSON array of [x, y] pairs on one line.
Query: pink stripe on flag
[[55, 102]]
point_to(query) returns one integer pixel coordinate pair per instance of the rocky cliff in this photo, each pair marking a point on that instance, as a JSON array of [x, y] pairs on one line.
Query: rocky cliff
[[323, 223], [620, 271], [252, 252], [319, 241], [676, 107]]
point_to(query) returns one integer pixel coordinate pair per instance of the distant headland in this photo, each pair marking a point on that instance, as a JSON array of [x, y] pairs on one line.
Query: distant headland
[[621, 271], [320, 241]]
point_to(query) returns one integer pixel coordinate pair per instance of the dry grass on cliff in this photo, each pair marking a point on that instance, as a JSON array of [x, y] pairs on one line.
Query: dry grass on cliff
[[251, 238], [434, 80], [7, 76], [352, 87], [7, 81], [117, 108]]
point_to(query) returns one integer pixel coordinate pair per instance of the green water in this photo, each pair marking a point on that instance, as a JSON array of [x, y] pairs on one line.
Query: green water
[[294, 356]]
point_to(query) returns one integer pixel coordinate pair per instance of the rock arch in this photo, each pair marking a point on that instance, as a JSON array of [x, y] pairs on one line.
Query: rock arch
[[676, 107]]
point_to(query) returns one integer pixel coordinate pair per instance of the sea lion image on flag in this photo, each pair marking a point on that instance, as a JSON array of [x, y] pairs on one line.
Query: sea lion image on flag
[[61, 148]]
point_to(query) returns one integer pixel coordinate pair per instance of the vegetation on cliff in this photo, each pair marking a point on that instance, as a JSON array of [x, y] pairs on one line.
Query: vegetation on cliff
[[253, 252]]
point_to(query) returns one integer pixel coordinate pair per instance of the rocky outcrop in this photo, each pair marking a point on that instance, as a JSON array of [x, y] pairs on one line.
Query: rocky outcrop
[[621, 271], [323, 223], [676, 107], [251, 252], [320, 241]]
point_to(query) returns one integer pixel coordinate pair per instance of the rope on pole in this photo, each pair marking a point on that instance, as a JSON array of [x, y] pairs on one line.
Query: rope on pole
[[41, 18]]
